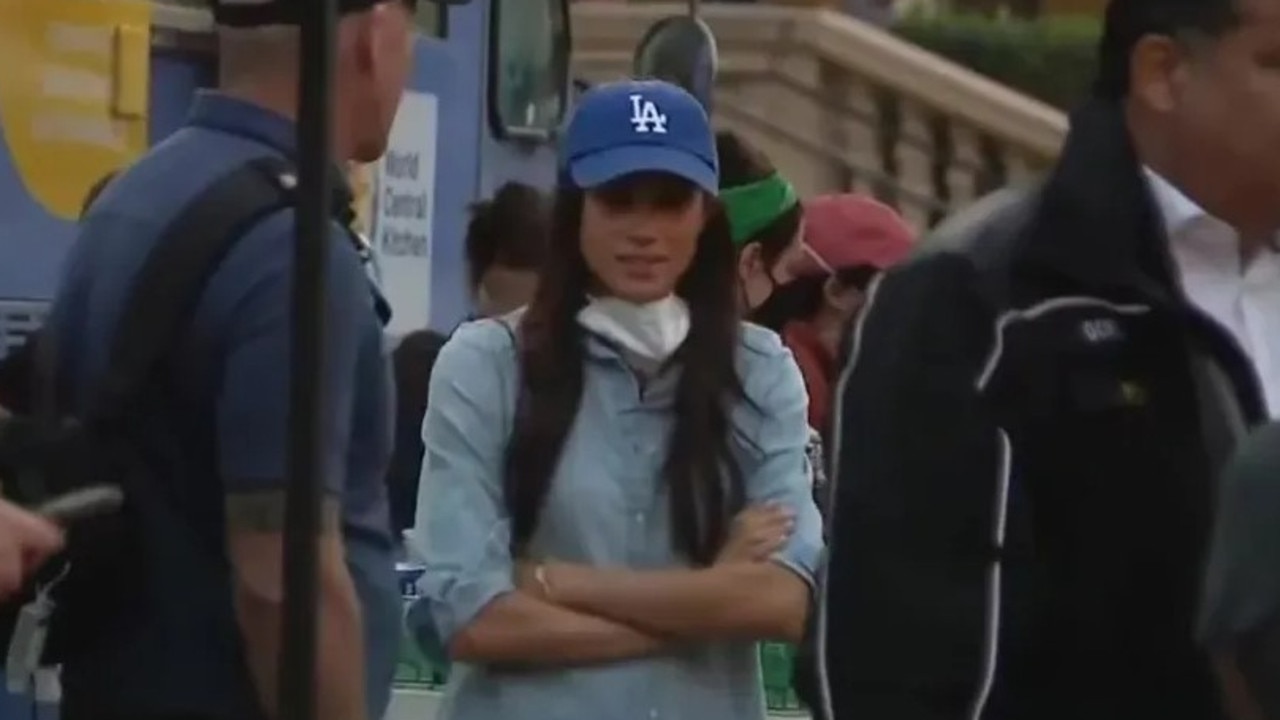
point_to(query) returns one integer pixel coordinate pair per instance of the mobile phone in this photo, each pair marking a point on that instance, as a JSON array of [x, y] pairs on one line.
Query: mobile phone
[[77, 505]]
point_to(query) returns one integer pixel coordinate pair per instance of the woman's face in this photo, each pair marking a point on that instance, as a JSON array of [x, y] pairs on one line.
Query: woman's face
[[639, 235], [758, 278]]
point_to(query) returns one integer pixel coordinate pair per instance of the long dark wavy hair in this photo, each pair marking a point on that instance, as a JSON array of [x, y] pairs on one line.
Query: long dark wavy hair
[[705, 484]]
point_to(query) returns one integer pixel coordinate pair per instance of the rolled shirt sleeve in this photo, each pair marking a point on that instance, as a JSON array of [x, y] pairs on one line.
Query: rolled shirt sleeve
[[775, 436], [462, 532]]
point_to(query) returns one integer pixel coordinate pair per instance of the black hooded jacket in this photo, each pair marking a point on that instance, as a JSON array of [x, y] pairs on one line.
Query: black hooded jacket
[[1025, 437]]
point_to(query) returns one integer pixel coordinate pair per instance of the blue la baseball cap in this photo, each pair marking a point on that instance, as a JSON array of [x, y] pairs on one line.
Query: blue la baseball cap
[[637, 126]]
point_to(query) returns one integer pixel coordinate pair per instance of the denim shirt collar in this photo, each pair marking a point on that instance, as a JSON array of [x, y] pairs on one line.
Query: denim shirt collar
[[655, 389]]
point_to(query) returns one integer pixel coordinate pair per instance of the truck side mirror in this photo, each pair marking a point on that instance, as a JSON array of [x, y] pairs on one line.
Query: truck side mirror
[[680, 50]]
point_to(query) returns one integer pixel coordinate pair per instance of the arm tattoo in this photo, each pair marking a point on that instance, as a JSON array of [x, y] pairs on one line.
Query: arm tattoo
[[264, 511]]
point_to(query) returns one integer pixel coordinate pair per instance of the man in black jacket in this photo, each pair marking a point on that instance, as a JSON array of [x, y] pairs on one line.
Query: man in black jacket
[[1035, 407]]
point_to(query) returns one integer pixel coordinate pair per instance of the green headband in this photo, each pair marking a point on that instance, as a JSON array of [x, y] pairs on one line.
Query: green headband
[[753, 206]]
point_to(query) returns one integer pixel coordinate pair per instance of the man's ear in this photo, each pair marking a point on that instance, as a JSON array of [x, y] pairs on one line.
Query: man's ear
[[356, 39], [1157, 65]]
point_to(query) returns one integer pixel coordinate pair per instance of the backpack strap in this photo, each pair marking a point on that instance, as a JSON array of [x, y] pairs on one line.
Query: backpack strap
[[174, 275]]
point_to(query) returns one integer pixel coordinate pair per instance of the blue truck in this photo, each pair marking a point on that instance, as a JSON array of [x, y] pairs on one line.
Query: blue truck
[[100, 82]]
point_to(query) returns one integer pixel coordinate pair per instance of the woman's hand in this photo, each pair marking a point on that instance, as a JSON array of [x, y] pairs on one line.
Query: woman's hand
[[757, 533]]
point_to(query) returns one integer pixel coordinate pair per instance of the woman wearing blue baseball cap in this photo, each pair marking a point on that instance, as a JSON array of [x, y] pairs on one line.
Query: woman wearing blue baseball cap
[[616, 502]]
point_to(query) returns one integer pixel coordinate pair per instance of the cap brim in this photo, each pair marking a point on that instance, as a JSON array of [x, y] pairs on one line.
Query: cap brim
[[596, 169]]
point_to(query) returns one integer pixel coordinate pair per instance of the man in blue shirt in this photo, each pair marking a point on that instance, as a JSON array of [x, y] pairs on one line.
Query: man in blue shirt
[[202, 640]]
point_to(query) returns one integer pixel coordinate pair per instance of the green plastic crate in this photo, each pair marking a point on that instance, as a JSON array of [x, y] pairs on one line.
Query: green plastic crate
[[414, 670], [776, 663]]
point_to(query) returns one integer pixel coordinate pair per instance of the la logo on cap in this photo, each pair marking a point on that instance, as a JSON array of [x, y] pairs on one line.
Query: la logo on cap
[[645, 117]]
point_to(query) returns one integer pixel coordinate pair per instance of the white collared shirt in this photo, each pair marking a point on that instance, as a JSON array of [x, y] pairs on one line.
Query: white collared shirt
[[1243, 299]]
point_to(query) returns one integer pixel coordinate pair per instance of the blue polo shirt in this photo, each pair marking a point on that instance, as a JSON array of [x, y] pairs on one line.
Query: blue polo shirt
[[225, 425]]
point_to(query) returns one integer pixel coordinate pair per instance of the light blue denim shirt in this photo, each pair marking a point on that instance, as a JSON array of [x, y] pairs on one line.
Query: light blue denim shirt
[[607, 507]]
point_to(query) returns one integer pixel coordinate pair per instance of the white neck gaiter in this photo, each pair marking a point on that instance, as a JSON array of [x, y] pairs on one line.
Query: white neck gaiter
[[651, 330]]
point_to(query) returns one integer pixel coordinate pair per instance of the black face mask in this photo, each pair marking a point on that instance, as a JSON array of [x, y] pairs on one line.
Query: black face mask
[[801, 298], [796, 300]]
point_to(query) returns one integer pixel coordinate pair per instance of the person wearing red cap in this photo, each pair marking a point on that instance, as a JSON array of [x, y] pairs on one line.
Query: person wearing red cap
[[848, 240]]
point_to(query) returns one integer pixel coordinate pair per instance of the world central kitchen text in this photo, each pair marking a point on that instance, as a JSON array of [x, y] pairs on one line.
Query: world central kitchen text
[[404, 215]]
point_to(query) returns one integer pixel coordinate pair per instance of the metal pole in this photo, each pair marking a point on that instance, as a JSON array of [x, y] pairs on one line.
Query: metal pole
[[694, 6], [306, 389]]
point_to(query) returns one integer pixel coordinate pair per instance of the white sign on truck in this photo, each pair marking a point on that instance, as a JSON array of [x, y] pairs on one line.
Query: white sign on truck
[[403, 208]]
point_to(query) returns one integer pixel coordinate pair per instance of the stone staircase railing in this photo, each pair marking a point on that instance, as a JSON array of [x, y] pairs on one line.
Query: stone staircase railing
[[840, 105]]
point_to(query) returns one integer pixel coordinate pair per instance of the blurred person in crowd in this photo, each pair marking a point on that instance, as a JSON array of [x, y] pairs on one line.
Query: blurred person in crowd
[[614, 493], [765, 219], [203, 639], [848, 241], [506, 242], [26, 539], [1036, 407], [412, 361]]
